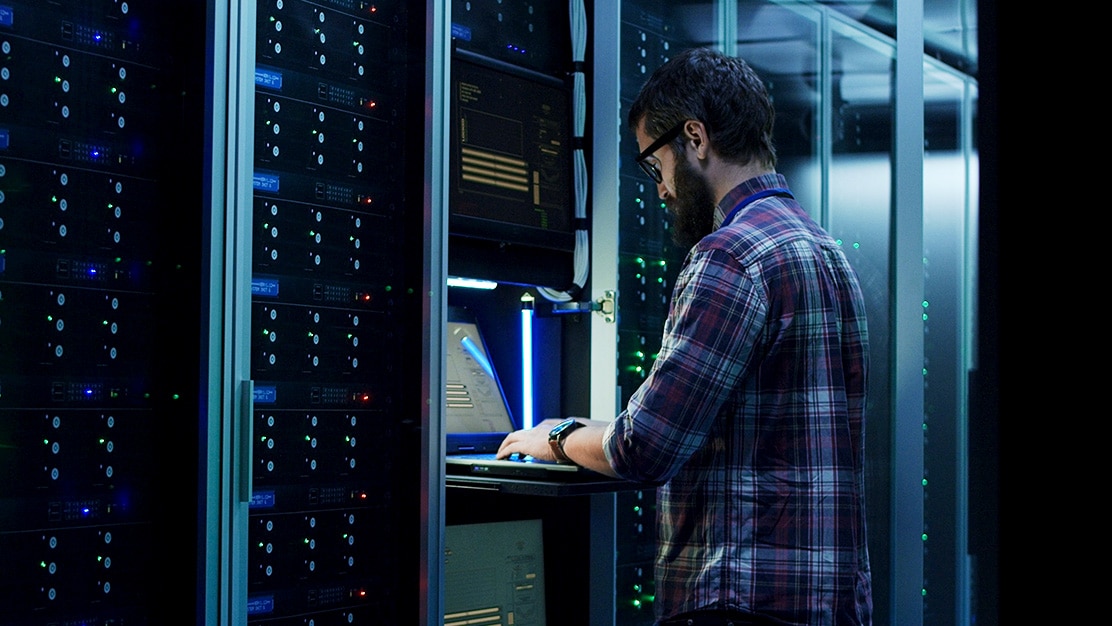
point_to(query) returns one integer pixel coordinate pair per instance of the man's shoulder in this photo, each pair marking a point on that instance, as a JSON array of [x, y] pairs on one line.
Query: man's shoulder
[[763, 230]]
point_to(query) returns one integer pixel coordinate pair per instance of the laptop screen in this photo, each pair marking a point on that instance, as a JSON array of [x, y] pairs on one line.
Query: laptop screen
[[478, 415]]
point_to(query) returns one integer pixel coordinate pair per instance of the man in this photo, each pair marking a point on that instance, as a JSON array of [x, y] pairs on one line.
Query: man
[[752, 418]]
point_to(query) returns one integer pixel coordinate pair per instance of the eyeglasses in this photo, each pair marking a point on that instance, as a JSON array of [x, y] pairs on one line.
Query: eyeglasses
[[649, 167]]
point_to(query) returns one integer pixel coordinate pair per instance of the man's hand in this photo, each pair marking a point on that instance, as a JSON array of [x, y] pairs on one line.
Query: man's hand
[[531, 441]]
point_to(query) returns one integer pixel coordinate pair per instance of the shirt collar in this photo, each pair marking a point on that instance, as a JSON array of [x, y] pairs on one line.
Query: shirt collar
[[747, 188]]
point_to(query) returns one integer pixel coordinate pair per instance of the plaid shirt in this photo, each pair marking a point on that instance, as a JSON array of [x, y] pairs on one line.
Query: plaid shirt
[[752, 423]]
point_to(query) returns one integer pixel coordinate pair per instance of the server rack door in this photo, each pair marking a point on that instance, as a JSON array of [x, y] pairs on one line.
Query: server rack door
[[101, 127]]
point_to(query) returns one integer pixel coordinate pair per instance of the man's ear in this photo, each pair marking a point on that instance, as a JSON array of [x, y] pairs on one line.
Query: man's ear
[[695, 134]]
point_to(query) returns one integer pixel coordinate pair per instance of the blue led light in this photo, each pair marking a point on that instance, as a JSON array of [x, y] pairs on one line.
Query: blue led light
[[527, 361]]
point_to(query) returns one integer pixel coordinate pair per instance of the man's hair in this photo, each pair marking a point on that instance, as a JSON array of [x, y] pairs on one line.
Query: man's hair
[[721, 91]]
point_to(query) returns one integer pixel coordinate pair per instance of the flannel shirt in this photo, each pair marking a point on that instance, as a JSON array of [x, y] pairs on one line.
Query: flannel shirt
[[751, 421]]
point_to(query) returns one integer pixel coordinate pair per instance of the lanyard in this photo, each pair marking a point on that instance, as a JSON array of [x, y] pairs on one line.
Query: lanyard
[[774, 191]]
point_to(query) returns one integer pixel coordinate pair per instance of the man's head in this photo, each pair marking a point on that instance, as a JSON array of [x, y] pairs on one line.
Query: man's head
[[722, 92], [708, 102]]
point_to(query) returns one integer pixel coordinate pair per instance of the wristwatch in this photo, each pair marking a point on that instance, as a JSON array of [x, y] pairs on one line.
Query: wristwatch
[[557, 435]]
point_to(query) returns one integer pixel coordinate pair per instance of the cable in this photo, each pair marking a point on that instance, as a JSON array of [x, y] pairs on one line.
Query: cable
[[581, 257]]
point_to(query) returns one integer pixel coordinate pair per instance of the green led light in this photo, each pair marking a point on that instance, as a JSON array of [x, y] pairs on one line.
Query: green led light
[[924, 536], [856, 245], [924, 592], [924, 482]]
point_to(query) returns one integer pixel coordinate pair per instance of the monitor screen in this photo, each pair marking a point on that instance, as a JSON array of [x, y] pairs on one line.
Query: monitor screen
[[511, 161], [494, 574], [475, 402]]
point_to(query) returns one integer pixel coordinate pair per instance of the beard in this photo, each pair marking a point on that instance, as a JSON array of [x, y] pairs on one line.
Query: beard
[[692, 206]]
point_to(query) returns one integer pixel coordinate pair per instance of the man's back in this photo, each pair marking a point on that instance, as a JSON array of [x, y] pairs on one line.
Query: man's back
[[765, 350]]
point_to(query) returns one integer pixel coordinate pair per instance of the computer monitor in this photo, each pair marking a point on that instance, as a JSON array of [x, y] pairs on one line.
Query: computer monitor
[[494, 574], [511, 155]]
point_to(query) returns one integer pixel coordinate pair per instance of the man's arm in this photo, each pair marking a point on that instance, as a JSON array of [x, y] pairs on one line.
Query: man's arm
[[582, 445]]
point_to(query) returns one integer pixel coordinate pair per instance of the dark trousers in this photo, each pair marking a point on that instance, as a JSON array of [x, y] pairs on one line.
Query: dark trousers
[[717, 617]]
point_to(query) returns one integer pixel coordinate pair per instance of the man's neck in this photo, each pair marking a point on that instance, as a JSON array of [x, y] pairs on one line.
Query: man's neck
[[724, 176]]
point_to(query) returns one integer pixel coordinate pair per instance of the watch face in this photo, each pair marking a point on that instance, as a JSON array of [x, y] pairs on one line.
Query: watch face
[[561, 427]]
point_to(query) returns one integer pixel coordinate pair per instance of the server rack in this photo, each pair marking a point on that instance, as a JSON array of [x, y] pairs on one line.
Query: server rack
[[213, 271], [101, 126], [335, 308]]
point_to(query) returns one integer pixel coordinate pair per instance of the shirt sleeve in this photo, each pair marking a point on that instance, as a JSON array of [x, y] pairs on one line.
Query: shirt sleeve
[[711, 339]]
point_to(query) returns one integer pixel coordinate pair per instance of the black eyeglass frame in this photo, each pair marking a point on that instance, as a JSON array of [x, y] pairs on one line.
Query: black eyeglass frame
[[651, 169]]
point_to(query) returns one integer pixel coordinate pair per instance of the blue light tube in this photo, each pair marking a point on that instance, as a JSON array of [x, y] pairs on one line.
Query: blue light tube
[[527, 362]]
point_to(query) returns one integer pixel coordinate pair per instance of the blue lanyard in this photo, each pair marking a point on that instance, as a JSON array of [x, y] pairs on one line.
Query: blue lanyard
[[774, 191]]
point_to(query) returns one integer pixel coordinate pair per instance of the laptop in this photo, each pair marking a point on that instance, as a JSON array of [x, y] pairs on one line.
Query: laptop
[[478, 417]]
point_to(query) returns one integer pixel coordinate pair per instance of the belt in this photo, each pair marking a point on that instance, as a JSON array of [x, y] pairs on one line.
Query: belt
[[717, 617]]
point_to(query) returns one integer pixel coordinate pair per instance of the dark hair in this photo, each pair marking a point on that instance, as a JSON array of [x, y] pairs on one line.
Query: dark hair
[[721, 91]]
